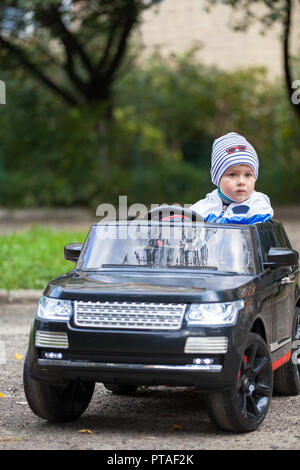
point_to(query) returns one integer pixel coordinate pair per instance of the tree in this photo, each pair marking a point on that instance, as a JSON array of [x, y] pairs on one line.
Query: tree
[[74, 47], [275, 11]]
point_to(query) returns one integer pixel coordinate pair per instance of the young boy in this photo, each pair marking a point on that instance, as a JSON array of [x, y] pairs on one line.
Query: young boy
[[234, 170]]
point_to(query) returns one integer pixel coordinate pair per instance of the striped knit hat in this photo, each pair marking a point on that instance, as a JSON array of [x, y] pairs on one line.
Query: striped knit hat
[[229, 150]]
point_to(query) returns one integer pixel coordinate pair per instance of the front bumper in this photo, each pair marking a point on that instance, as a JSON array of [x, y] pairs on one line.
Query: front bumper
[[138, 357]]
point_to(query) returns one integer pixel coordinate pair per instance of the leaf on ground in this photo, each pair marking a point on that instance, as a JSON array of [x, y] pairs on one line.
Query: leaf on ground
[[1, 395], [11, 438], [87, 431], [19, 356], [177, 427]]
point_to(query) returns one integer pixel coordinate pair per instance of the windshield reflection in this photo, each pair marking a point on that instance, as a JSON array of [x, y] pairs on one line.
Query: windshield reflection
[[161, 245]]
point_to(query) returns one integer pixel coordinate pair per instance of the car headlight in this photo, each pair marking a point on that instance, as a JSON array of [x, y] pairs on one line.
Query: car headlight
[[54, 309], [214, 314]]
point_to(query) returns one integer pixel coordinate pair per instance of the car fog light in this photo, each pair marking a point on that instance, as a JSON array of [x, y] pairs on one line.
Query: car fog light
[[203, 361], [53, 355]]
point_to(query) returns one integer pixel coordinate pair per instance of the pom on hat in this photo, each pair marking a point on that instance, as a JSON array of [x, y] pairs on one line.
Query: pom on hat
[[229, 150]]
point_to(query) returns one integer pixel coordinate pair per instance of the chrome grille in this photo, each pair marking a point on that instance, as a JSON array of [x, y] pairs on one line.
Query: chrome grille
[[132, 315]]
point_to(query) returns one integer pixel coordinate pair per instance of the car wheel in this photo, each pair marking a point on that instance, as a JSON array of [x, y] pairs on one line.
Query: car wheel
[[287, 377], [56, 403], [243, 408], [120, 389]]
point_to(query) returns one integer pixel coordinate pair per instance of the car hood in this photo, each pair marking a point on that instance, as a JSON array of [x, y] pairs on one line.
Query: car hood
[[183, 286]]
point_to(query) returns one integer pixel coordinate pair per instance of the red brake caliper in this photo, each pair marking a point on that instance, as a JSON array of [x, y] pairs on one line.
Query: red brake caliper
[[245, 361]]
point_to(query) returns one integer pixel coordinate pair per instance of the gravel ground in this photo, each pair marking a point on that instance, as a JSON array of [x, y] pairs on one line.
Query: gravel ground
[[159, 418]]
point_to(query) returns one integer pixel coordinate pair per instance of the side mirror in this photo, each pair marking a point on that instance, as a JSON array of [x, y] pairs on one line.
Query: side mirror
[[281, 257], [72, 251]]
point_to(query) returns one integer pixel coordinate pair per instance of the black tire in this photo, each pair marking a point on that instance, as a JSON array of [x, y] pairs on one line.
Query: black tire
[[119, 389], [243, 408], [287, 377], [56, 403]]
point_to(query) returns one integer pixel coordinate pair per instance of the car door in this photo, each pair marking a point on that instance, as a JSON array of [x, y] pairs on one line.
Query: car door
[[277, 296], [288, 281]]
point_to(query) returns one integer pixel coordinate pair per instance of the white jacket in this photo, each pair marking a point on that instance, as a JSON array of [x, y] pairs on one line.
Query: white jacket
[[256, 208]]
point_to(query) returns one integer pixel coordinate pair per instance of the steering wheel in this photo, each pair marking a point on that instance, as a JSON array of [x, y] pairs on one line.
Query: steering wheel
[[165, 213]]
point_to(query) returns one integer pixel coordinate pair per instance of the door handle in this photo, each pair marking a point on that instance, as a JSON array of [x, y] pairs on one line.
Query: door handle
[[288, 279]]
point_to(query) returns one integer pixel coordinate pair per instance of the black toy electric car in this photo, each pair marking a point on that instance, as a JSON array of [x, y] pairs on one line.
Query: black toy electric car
[[170, 301]]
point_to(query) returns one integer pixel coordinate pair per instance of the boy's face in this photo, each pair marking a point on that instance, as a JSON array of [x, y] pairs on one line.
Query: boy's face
[[238, 182]]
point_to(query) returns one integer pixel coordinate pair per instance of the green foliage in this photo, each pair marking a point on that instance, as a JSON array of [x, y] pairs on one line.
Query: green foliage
[[156, 146], [31, 258]]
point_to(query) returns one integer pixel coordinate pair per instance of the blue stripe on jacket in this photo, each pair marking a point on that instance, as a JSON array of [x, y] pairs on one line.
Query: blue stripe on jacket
[[238, 219]]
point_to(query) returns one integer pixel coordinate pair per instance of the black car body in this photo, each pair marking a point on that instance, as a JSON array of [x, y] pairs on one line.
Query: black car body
[[213, 306]]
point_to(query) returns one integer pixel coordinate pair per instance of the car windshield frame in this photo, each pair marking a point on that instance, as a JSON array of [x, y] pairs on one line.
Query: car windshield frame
[[121, 232]]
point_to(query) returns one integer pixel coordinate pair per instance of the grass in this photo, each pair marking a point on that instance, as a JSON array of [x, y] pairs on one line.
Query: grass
[[31, 258]]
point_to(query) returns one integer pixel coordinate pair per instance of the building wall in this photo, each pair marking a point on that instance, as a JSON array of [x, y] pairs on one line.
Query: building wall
[[175, 26]]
